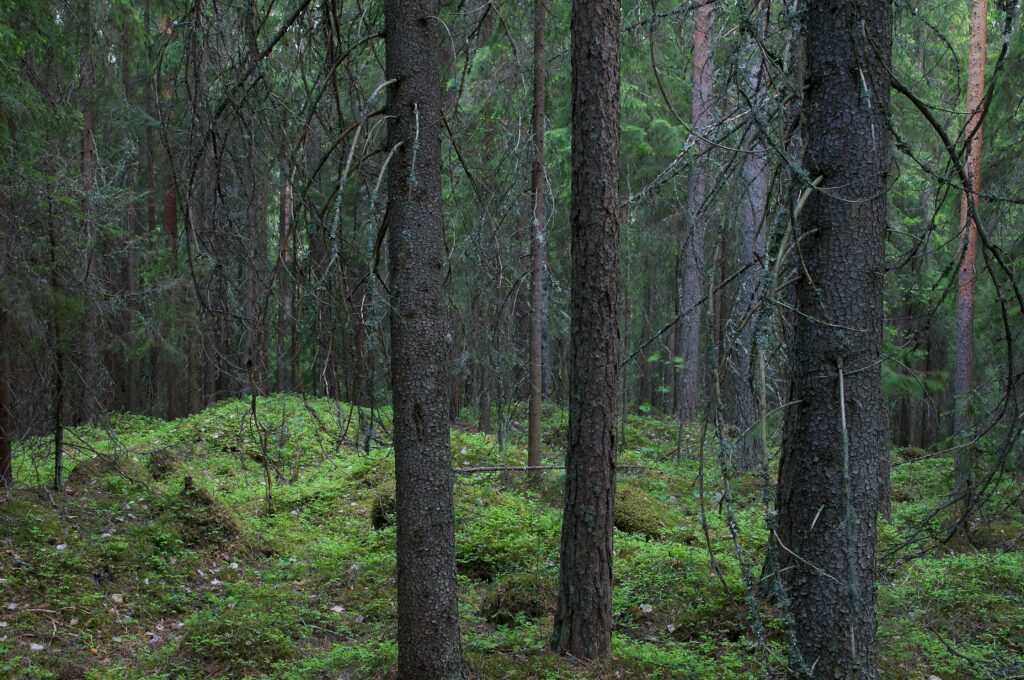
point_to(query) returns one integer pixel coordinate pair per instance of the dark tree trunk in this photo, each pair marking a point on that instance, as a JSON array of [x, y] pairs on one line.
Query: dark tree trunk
[[57, 340], [538, 242], [834, 461], [583, 618], [6, 417], [429, 644], [750, 257], [691, 266], [286, 274]]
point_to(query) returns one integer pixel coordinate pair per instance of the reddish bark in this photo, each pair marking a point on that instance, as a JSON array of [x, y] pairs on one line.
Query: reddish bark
[[963, 363], [691, 269]]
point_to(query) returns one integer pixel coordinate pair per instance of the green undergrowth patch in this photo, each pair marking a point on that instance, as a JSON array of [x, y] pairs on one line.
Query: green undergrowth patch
[[164, 559]]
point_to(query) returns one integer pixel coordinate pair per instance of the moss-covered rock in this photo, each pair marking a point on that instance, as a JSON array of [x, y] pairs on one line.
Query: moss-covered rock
[[636, 512], [530, 594]]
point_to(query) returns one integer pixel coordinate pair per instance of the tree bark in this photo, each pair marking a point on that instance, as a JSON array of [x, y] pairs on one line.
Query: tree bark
[[285, 380], [963, 363], [583, 617], [538, 242], [6, 416], [429, 644], [835, 450], [750, 257], [691, 266]]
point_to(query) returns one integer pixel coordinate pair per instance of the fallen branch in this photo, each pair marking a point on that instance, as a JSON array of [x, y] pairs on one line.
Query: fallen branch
[[531, 468]]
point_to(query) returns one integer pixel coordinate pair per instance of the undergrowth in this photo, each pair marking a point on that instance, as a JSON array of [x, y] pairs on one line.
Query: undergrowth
[[162, 559]]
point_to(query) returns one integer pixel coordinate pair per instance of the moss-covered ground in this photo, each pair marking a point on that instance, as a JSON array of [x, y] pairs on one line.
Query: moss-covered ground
[[162, 559]]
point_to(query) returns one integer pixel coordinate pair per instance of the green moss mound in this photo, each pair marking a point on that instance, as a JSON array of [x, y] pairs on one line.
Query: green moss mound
[[637, 512]]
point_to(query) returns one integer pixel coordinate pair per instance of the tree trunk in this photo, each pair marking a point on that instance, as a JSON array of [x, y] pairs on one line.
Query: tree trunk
[[57, 340], [691, 266], [583, 618], [285, 282], [835, 452], [429, 644], [750, 257], [963, 363], [538, 239], [645, 391], [6, 417]]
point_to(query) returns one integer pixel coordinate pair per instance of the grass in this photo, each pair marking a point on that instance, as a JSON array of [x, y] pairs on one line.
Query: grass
[[162, 559]]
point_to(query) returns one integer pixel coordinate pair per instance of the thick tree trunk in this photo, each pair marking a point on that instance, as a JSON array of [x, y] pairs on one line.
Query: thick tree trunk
[[583, 618], [750, 256], [429, 644], [835, 452], [538, 242], [963, 363], [691, 266]]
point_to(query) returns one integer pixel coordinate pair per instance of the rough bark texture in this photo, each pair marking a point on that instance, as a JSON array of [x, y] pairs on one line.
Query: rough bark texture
[[691, 267], [583, 618], [963, 363], [538, 242], [428, 627], [831, 475], [749, 257]]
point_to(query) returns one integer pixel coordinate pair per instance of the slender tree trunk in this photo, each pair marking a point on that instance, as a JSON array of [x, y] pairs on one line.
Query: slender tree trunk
[[835, 448], [92, 392], [6, 416], [285, 381], [538, 242], [740, 375], [691, 266], [645, 392], [57, 340], [583, 617], [429, 644], [963, 363]]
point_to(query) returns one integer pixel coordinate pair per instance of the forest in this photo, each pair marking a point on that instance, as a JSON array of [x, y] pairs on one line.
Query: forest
[[526, 339]]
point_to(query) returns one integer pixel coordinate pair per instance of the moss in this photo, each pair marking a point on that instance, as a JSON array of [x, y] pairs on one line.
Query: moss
[[636, 512], [243, 632], [530, 595]]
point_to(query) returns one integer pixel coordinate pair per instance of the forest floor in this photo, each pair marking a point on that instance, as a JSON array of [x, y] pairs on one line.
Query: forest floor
[[161, 559]]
